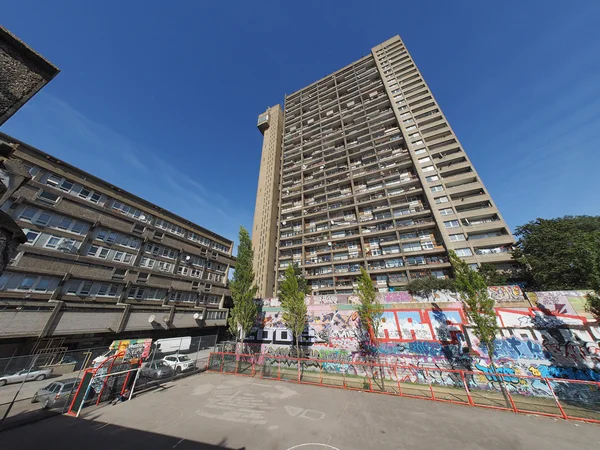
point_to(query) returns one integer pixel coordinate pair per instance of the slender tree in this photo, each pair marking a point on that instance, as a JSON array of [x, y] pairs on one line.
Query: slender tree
[[302, 283], [478, 307], [293, 305], [491, 275], [370, 310], [243, 290]]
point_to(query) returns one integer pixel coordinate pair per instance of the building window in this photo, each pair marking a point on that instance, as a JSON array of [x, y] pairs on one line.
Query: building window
[[60, 183], [48, 197], [457, 237], [31, 236], [42, 285], [103, 290], [431, 178], [52, 242], [147, 262], [446, 211], [420, 151], [64, 224], [411, 247], [26, 283], [86, 288], [27, 214], [119, 274], [437, 188], [463, 252], [165, 266], [98, 252], [427, 245], [43, 218], [439, 200], [424, 160], [451, 224], [77, 227]]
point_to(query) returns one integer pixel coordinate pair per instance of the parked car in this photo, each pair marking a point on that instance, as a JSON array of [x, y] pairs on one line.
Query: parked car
[[157, 370], [35, 373], [56, 394], [180, 363]]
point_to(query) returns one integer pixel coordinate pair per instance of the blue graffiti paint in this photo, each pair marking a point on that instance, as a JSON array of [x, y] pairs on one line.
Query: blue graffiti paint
[[572, 373], [499, 370]]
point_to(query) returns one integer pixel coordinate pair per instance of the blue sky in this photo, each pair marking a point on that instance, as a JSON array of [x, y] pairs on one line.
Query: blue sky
[[161, 98]]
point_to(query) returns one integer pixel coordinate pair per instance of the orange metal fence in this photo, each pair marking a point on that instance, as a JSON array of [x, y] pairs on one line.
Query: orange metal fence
[[553, 397]]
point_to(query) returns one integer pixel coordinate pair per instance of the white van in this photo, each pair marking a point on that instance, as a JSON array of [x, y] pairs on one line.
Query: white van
[[172, 345]]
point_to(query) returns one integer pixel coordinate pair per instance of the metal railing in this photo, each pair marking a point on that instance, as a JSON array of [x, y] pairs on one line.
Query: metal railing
[[552, 397]]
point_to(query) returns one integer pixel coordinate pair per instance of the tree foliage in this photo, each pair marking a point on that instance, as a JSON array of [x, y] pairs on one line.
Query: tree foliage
[[477, 304], [562, 253], [592, 305], [292, 302], [302, 283], [243, 290], [370, 310], [426, 286], [492, 276]]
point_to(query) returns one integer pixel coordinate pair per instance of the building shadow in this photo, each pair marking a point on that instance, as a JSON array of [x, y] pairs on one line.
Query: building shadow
[[453, 344], [68, 432]]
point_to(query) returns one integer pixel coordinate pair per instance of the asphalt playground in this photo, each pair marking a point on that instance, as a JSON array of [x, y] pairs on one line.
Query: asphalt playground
[[216, 411]]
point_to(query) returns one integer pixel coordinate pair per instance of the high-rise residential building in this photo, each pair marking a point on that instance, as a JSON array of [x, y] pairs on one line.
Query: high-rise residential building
[[372, 174], [101, 263]]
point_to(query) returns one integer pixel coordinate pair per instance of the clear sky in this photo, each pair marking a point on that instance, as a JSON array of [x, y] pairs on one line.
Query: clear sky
[[161, 98]]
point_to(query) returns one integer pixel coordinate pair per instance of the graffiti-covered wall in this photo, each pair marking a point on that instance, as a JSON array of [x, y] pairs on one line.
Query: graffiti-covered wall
[[546, 334]]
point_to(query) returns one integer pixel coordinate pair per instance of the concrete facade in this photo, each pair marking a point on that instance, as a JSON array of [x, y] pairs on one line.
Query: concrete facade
[[264, 234], [372, 175], [100, 262], [23, 72]]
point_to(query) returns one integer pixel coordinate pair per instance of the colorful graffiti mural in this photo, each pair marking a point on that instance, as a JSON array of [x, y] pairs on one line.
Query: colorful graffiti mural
[[544, 334], [561, 302]]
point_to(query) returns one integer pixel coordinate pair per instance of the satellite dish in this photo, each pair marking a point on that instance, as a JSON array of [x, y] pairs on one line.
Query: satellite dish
[[152, 318], [329, 243], [166, 319], [284, 223], [197, 316], [188, 257], [332, 222]]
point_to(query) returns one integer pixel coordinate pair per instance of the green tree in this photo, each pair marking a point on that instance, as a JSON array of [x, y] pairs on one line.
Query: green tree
[[426, 286], [592, 305], [562, 253], [302, 283], [369, 310], [294, 307], [491, 275], [243, 290], [478, 307]]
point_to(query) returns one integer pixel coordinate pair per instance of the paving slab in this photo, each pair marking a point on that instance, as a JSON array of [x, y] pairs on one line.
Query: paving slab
[[213, 410]]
